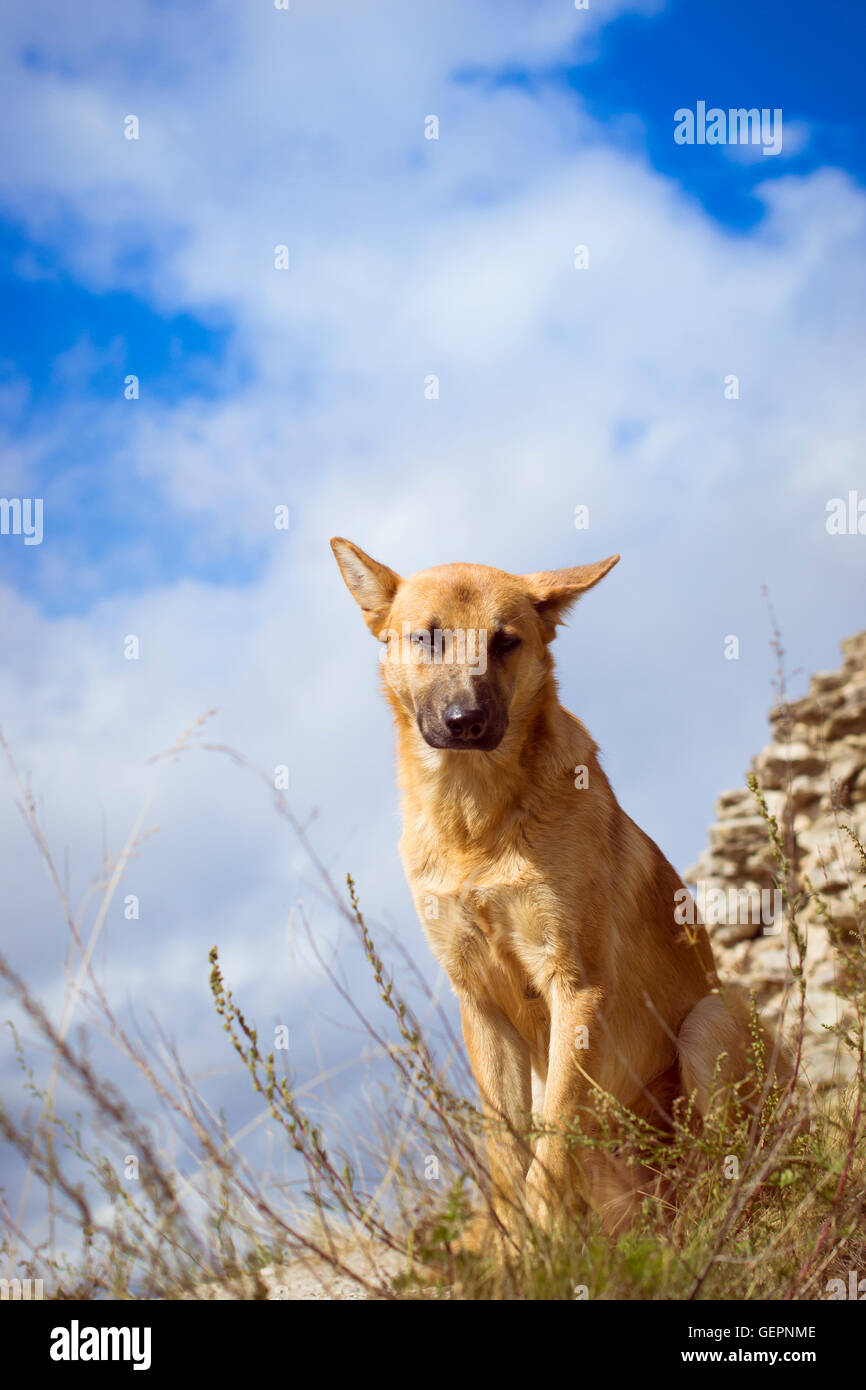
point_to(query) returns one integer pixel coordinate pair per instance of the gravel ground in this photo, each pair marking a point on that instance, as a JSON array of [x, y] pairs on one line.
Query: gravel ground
[[309, 1279]]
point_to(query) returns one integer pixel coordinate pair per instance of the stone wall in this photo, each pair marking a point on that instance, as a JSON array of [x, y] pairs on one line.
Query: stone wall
[[813, 775]]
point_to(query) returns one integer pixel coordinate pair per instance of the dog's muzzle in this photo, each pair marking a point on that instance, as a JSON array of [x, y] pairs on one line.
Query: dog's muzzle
[[465, 726]]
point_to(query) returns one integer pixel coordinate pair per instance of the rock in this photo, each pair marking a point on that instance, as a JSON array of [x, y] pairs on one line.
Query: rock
[[310, 1279], [804, 791], [813, 779], [779, 761]]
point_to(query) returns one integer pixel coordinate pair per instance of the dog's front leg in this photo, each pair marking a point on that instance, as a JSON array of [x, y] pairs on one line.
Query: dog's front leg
[[501, 1065], [575, 1039]]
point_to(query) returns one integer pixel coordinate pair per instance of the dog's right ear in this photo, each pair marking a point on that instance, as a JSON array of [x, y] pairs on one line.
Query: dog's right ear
[[372, 585]]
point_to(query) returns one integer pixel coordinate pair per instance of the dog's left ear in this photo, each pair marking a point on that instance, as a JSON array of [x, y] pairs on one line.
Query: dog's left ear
[[554, 591]]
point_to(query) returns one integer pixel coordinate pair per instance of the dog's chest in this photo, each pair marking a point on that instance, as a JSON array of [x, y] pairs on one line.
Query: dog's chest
[[491, 927]]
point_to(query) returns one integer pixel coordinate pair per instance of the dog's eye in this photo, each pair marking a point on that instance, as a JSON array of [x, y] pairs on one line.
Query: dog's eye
[[505, 641]]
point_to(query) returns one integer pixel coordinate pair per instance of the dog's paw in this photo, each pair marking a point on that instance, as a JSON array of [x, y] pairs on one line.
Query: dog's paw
[[481, 1235], [540, 1208], [477, 1234]]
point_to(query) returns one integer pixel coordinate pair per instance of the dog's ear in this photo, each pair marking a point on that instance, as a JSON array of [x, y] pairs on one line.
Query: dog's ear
[[372, 585], [553, 591]]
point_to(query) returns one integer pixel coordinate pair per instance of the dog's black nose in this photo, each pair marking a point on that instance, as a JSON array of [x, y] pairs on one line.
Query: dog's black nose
[[465, 723]]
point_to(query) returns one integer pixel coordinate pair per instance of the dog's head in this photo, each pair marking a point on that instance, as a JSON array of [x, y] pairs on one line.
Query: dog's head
[[465, 647]]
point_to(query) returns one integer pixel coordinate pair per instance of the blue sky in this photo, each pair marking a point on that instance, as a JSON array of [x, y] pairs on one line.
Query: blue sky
[[62, 341], [261, 388], [803, 60]]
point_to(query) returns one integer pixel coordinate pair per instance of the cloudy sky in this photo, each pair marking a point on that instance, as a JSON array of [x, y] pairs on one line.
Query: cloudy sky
[[260, 385]]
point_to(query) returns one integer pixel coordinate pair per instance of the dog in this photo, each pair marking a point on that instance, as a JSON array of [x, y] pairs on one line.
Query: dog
[[552, 913]]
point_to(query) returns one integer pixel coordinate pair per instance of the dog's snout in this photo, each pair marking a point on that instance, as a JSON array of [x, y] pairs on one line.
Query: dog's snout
[[466, 715], [465, 722]]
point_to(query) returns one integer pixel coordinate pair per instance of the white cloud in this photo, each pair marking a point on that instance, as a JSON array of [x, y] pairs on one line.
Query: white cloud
[[794, 139]]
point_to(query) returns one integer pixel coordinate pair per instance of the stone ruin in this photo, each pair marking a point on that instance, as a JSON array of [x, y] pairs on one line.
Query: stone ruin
[[813, 777]]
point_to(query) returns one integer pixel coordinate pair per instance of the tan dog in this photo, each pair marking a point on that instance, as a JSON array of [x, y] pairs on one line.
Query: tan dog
[[551, 911]]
